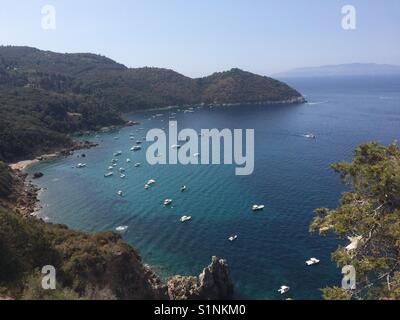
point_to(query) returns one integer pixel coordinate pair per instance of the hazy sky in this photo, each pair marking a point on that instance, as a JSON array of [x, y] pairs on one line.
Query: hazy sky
[[199, 37]]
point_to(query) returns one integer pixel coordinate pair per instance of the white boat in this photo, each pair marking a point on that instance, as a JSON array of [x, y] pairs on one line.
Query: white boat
[[110, 168], [122, 176], [108, 174], [121, 169], [120, 193], [310, 136], [312, 262], [128, 160], [146, 186], [118, 153], [233, 238], [167, 202], [258, 207], [136, 148], [121, 229], [138, 142], [137, 165], [196, 154], [150, 182], [81, 165], [175, 146], [183, 188], [185, 218], [283, 289]]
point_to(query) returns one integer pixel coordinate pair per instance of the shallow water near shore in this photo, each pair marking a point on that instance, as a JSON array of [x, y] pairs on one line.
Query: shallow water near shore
[[291, 177]]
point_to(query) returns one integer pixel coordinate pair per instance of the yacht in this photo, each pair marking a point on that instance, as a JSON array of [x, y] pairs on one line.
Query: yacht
[[283, 289], [258, 207], [108, 174], [167, 202], [312, 262], [185, 218]]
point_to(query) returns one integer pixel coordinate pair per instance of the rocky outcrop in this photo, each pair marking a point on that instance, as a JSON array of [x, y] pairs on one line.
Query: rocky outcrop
[[214, 283]]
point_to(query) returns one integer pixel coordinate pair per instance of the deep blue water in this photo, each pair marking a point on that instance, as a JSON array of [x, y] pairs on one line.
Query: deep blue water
[[292, 177]]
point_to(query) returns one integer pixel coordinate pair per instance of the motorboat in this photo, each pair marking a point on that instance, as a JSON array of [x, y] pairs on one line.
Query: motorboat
[[128, 160], [118, 153], [136, 148], [283, 289], [312, 262], [183, 188], [81, 165], [122, 176], [258, 207], [108, 174], [175, 146], [233, 238], [120, 193], [150, 182], [185, 218], [167, 202], [137, 165], [121, 169], [121, 229]]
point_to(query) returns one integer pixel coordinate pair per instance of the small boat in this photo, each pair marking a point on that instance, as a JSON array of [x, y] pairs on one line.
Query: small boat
[[167, 202], [121, 229], [183, 188], [146, 186], [233, 238], [175, 146], [136, 148], [150, 182], [138, 142], [121, 169], [310, 136], [110, 168], [258, 207], [120, 193], [108, 174], [185, 218], [128, 160], [116, 138], [114, 161], [122, 176], [81, 165], [196, 154], [132, 138], [312, 262], [283, 289], [118, 153], [137, 165]]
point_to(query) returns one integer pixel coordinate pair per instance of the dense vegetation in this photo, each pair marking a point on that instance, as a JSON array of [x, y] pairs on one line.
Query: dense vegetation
[[369, 214], [45, 95], [5, 180], [98, 266]]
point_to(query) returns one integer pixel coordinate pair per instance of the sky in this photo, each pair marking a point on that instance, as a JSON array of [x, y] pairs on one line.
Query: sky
[[197, 38]]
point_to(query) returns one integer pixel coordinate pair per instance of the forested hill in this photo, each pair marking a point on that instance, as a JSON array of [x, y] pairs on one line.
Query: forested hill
[[45, 95]]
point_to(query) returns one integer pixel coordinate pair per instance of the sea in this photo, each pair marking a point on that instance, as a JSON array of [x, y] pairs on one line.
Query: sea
[[292, 177]]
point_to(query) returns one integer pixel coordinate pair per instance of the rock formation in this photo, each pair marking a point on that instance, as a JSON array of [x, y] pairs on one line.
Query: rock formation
[[213, 283]]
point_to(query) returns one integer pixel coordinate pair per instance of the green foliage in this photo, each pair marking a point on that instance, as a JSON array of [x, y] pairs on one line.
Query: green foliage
[[371, 213], [5, 180], [46, 95]]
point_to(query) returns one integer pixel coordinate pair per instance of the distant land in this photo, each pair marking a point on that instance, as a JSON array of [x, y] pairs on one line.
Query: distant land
[[45, 96], [353, 69]]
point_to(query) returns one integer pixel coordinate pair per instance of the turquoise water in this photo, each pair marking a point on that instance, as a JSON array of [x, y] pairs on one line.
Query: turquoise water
[[291, 177]]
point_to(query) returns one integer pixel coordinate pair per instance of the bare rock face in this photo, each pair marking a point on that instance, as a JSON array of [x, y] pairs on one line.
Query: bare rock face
[[213, 283]]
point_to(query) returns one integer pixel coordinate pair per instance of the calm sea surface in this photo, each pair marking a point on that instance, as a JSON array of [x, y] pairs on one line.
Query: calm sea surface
[[292, 177]]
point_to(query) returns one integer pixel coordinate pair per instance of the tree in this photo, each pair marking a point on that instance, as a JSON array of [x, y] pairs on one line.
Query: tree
[[369, 217]]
